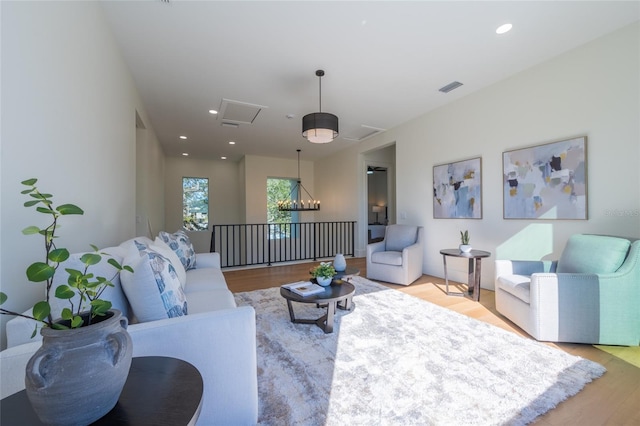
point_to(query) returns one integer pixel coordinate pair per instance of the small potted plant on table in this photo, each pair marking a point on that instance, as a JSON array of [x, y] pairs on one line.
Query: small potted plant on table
[[323, 273], [464, 239]]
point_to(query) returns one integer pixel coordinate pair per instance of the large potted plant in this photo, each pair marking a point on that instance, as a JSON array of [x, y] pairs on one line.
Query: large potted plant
[[78, 373]]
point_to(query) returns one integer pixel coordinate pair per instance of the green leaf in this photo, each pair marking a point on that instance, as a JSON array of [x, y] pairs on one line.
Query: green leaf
[[66, 314], [26, 191], [30, 230], [64, 292], [100, 307], [29, 182], [128, 268], [59, 255], [3, 298], [90, 259], [39, 272], [76, 322], [41, 310], [69, 209], [31, 203], [45, 210], [95, 248], [35, 331], [111, 261]]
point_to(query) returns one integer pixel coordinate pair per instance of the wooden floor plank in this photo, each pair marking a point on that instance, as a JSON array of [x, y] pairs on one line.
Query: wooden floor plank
[[613, 399]]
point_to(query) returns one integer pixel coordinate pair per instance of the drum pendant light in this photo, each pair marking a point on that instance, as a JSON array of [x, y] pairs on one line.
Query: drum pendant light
[[320, 127]]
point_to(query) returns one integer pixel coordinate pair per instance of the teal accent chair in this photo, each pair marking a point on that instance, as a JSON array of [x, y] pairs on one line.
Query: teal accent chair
[[590, 295]]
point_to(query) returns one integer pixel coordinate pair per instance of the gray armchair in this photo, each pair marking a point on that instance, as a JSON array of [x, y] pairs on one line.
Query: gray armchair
[[398, 258]]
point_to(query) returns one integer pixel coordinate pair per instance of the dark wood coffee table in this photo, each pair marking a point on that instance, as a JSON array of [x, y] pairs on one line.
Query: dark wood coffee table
[[158, 391], [338, 295]]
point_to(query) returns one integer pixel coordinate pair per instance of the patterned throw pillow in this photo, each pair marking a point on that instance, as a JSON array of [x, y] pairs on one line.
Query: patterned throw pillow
[[181, 245], [153, 290]]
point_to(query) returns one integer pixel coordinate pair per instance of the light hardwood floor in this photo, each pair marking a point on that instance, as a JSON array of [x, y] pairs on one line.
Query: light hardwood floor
[[613, 399]]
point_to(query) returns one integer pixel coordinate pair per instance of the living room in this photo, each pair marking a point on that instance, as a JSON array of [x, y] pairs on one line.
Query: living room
[[69, 108]]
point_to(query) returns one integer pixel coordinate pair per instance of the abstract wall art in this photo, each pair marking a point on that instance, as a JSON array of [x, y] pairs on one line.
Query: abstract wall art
[[547, 181], [457, 190]]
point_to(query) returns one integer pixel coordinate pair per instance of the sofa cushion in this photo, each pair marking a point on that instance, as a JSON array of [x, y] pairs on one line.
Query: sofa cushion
[[593, 254], [181, 244], [387, 257], [517, 285], [205, 279], [398, 237], [153, 289], [211, 300]]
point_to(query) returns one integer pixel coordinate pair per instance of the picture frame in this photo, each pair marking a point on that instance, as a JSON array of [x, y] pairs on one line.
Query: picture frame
[[546, 181], [457, 190]]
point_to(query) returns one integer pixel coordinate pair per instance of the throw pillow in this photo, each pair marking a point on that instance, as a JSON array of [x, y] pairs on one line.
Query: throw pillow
[[162, 248], [153, 290], [593, 254], [181, 244]]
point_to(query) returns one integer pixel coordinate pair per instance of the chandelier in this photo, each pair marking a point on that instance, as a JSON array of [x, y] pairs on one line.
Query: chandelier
[[298, 204], [320, 127]]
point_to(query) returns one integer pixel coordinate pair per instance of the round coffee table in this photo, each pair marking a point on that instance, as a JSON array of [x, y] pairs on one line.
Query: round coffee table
[[338, 295]]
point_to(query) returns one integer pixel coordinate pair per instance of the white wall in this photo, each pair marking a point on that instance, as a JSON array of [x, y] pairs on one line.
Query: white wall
[[593, 90], [68, 118], [224, 194]]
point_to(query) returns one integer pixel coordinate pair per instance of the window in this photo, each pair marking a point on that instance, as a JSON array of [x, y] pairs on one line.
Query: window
[[279, 189], [195, 204]]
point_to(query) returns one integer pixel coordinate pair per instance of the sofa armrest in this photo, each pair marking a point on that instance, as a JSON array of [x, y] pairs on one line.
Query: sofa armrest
[[222, 346], [375, 247], [208, 260], [523, 267]]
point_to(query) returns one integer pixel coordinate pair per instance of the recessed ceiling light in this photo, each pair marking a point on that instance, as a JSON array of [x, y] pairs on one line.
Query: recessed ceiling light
[[232, 143], [183, 137], [186, 154], [504, 28], [223, 158], [213, 111]]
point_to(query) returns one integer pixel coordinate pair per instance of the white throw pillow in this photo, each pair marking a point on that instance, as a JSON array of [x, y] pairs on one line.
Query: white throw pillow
[[153, 290], [162, 248], [181, 244]]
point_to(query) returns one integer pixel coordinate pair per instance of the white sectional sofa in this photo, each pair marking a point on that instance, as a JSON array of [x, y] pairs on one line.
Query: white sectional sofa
[[215, 335]]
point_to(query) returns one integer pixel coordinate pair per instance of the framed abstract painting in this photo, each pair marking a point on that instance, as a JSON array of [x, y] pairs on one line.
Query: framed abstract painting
[[547, 181], [457, 190]]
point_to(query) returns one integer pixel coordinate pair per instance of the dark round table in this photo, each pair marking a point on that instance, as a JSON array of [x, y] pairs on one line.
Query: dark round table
[[338, 295], [159, 391]]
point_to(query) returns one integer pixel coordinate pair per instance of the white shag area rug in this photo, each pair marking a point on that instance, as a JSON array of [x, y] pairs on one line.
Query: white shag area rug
[[398, 360]]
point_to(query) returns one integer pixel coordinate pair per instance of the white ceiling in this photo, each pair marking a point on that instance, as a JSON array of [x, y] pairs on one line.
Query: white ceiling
[[384, 61]]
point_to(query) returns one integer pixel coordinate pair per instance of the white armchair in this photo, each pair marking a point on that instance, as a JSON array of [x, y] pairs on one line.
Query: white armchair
[[590, 295], [398, 258]]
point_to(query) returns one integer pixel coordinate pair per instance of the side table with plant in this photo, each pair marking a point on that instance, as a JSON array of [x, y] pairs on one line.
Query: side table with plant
[[78, 373]]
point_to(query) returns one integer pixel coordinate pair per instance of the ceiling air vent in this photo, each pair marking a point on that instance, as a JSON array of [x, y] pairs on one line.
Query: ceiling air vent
[[238, 112], [364, 132], [449, 87]]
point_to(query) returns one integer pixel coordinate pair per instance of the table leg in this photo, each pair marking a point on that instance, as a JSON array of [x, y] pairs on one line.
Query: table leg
[[446, 279], [331, 310], [291, 315], [471, 278], [476, 284]]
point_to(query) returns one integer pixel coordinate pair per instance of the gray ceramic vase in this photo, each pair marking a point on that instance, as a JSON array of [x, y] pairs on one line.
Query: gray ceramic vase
[[77, 375]]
